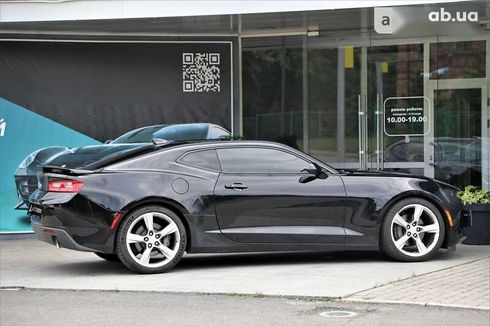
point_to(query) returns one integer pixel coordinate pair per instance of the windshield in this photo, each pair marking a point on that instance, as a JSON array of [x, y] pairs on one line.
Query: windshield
[[142, 135], [183, 132]]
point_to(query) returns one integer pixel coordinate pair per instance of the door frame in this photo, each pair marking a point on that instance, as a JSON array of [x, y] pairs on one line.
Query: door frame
[[461, 83]]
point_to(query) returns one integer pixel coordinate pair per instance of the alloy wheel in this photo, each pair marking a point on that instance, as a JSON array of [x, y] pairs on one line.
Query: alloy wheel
[[153, 239], [415, 230]]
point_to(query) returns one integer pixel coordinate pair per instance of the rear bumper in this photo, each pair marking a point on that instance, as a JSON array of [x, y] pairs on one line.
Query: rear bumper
[[73, 221], [57, 237]]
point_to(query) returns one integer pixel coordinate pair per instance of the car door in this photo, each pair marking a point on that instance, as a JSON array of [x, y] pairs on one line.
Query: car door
[[259, 198]]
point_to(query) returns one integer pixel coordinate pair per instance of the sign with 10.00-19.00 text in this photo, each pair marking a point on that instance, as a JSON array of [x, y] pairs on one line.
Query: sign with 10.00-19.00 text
[[407, 116]]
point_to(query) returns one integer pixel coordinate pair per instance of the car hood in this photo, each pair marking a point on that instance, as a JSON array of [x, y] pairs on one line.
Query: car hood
[[381, 174], [83, 156], [397, 175]]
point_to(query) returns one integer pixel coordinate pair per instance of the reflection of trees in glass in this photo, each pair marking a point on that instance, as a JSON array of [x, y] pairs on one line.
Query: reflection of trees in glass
[[404, 77], [272, 93], [458, 60], [323, 86], [457, 142]]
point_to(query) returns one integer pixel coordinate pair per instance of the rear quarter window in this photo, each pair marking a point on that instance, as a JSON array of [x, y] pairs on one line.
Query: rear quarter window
[[205, 159]]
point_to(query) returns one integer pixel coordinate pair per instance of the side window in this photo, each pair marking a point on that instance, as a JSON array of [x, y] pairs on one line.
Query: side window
[[259, 160], [206, 159], [218, 133]]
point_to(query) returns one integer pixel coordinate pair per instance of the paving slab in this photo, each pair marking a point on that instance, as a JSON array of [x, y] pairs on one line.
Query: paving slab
[[35, 264], [464, 286]]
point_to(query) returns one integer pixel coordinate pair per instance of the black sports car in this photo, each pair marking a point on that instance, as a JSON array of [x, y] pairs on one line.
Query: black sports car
[[26, 174], [147, 207]]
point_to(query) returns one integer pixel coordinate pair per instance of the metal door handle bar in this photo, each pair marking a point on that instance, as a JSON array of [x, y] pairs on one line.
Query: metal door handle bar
[[236, 186]]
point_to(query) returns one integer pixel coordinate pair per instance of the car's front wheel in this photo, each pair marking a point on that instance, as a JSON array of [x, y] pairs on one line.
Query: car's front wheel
[[151, 239], [412, 230]]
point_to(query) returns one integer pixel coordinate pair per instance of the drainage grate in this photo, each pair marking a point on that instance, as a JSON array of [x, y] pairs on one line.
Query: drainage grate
[[337, 314]]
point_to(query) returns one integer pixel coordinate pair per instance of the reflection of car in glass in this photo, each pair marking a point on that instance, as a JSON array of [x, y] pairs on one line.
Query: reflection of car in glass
[[26, 173], [145, 209], [457, 160]]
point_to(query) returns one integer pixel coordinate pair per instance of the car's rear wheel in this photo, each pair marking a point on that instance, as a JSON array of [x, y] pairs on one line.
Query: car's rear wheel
[[151, 239], [109, 257], [412, 230]]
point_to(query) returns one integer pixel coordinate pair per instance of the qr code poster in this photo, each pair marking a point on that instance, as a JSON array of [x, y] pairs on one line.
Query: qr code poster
[[201, 72]]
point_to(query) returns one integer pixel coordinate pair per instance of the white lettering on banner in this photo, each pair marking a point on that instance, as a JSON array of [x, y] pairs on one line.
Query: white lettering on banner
[[3, 126]]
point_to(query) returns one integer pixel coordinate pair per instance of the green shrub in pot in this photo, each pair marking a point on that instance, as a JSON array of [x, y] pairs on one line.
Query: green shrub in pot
[[473, 195], [477, 204]]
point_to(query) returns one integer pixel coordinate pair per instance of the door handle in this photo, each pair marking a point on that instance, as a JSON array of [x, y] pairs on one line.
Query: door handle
[[236, 186]]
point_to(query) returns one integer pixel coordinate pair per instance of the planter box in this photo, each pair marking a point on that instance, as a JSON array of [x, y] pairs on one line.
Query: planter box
[[478, 233]]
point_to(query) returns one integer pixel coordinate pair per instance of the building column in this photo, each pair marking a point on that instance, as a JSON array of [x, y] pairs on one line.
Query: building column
[[340, 105]]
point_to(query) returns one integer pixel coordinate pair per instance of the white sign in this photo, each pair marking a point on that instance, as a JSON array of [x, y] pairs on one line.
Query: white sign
[[407, 116]]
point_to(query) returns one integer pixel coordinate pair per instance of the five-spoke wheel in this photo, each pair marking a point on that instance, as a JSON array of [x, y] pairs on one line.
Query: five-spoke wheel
[[151, 240], [413, 230]]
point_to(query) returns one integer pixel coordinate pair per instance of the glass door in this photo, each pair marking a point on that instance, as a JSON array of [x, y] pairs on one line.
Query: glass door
[[460, 139], [425, 112], [397, 113], [334, 81]]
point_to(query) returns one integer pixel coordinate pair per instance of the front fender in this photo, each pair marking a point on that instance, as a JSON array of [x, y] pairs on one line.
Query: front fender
[[370, 197]]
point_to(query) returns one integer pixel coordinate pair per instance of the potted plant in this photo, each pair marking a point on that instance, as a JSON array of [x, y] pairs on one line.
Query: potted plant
[[477, 204]]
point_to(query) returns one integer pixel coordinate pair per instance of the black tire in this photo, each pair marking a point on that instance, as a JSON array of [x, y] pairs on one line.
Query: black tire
[[109, 257], [387, 242], [122, 249]]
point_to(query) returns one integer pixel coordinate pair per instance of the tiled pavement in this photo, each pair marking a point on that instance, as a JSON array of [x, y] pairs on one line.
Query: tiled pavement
[[466, 285]]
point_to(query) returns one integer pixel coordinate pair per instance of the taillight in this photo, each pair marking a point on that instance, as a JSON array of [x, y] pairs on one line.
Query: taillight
[[64, 185]]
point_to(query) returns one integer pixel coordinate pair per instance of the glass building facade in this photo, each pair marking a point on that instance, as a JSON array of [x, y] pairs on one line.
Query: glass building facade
[[332, 83], [334, 91]]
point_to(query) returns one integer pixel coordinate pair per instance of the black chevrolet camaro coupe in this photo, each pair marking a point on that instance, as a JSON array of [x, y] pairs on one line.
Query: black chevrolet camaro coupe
[[147, 207]]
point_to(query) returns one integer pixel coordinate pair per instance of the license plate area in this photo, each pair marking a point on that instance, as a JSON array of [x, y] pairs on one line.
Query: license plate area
[[35, 210]]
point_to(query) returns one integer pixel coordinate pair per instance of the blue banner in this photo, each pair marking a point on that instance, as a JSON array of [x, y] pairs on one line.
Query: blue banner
[[21, 133]]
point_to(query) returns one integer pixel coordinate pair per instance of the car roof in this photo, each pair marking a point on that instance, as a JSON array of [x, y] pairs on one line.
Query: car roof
[[212, 144], [186, 146], [227, 143], [179, 145], [179, 124]]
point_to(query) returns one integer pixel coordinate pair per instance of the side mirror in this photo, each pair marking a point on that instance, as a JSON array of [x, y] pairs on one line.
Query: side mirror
[[320, 173], [316, 173], [108, 141], [307, 178]]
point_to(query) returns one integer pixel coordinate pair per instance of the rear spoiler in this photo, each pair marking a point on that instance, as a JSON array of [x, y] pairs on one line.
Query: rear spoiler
[[117, 157], [65, 171]]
